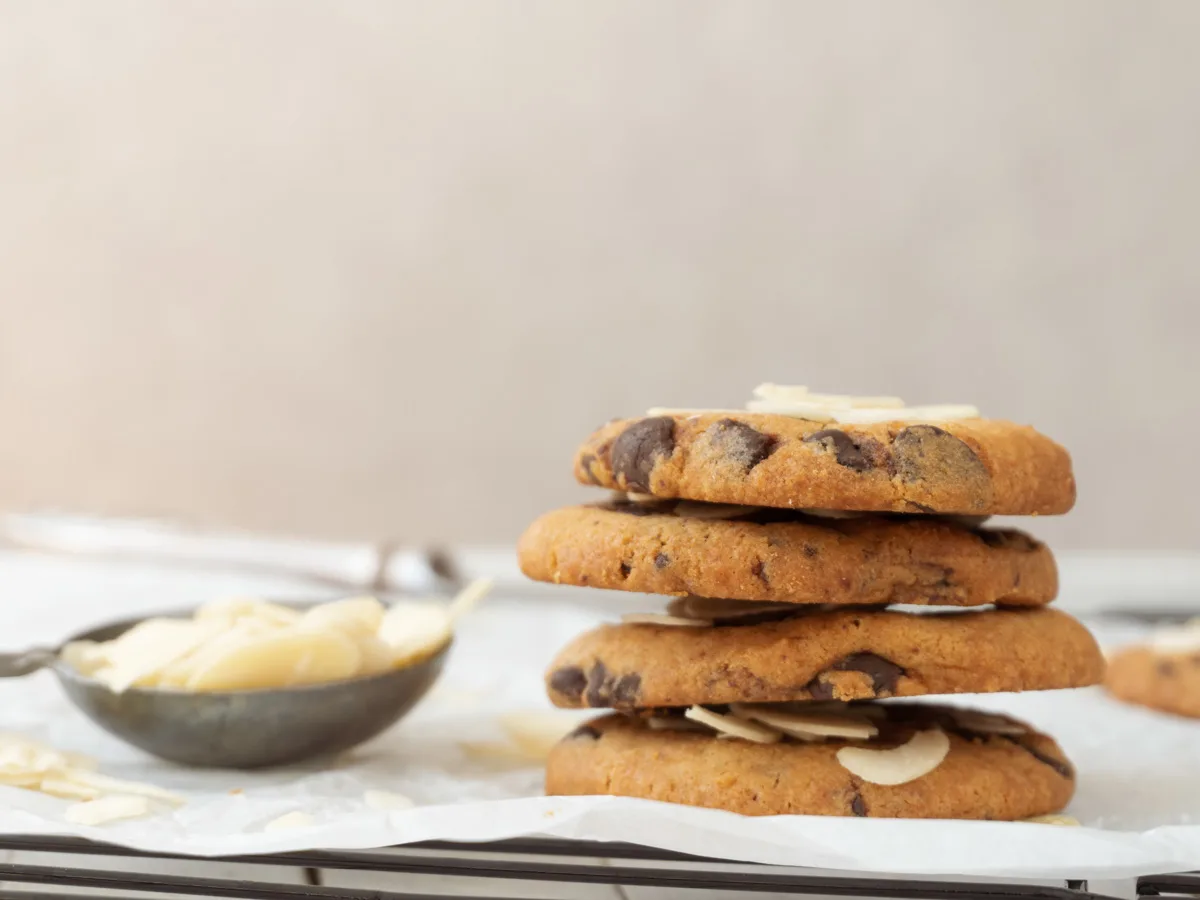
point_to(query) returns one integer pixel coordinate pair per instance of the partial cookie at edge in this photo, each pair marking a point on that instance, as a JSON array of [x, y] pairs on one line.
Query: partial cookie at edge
[[1166, 682], [969, 467], [648, 548]]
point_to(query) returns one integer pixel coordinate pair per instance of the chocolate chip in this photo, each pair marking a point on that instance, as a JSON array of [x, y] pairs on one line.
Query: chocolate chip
[[743, 444], [625, 692], [858, 805], [1166, 667], [820, 690], [625, 570], [848, 453], [1062, 767], [585, 463], [584, 731], [639, 447], [661, 561], [569, 681], [810, 551], [759, 571]]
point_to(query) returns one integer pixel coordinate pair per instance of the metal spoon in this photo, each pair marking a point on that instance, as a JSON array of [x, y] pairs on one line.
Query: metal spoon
[[237, 729]]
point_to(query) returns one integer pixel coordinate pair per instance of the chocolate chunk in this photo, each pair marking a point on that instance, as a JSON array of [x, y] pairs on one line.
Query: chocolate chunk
[[661, 560], [883, 674], [597, 690], [639, 447], [569, 681], [858, 805], [1166, 667], [848, 453], [926, 451], [584, 731], [625, 692], [1062, 767], [759, 571], [913, 506], [625, 569], [740, 442], [585, 463], [810, 551]]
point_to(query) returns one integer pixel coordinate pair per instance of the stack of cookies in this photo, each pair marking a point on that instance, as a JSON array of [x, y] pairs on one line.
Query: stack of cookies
[[820, 554]]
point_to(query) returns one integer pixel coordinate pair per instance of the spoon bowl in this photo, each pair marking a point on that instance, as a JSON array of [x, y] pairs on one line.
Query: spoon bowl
[[238, 729]]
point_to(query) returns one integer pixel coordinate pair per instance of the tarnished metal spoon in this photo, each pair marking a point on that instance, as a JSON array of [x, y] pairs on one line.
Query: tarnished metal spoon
[[237, 729]]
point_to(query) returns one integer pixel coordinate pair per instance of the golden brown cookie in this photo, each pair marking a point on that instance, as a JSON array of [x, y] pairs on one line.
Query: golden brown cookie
[[970, 467], [1165, 681], [667, 547], [825, 655], [982, 775]]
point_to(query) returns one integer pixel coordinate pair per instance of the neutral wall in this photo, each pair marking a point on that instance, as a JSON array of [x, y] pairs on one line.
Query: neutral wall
[[373, 268]]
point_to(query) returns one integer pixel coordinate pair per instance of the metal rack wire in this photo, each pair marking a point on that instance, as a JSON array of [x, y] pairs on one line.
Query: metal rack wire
[[528, 859]]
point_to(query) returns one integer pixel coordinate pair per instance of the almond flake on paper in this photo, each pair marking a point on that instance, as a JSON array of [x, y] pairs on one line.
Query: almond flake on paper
[[294, 819], [107, 809]]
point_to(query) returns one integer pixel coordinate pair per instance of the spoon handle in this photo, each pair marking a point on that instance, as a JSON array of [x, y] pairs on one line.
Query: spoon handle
[[14, 665]]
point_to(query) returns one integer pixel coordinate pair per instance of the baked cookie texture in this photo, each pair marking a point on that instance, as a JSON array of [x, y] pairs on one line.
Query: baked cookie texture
[[968, 467], [1162, 681], [983, 776], [781, 556], [825, 655]]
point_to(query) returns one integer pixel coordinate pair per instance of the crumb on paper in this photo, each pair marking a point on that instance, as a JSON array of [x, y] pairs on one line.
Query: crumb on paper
[[107, 809], [385, 800], [294, 819], [236, 791], [1054, 819]]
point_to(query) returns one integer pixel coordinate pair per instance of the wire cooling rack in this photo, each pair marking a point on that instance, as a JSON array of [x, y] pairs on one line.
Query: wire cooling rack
[[527, 859]]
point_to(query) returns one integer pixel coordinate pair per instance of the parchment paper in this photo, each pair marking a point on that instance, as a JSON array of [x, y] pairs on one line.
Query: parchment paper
[[1138, 792]]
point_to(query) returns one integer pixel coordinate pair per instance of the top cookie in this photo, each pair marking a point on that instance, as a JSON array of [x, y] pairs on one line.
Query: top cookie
[[966, 467]]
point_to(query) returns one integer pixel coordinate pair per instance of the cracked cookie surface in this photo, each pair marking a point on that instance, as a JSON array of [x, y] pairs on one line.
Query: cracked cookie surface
[[968, 467], [983, 776], [779, 556], [825, 655]]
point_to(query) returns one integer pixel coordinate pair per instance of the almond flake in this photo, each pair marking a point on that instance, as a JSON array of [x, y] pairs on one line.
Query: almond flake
[[692, 509], [733, 726], [807, 725], [712, 608], [660, 619], [107, 809], [922, 754]]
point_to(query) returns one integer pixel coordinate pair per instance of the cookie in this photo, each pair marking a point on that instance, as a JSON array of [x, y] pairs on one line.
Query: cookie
[[1164, 681], [978, 775], [970, 467], [681, 548], [825, 655]]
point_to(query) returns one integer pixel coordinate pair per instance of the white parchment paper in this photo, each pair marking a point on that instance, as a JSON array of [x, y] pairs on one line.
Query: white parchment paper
[[1138, 792]]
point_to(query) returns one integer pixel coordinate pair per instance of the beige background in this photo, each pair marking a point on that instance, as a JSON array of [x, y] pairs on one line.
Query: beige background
[[372, 269]]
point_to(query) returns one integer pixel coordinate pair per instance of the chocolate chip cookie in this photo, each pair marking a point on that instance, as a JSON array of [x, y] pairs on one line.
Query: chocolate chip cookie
[[1165, 681], [979, 774], [707, 550], [825, 655], [970, 467]]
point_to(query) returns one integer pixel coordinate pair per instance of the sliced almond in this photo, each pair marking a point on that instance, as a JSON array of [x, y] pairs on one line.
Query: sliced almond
[[386, 800], [634, 497], [692, 509], [536, 733], [922, 754], [68, 789], [1054, 819], [283, 658], [814, 412], [660, 619], [416, 630], [356, 616], [733, 726], [986, 723], [468, 598], [120, 786], [944, 412], [107, 809], [294, 819], [688, 413], [807, 725]]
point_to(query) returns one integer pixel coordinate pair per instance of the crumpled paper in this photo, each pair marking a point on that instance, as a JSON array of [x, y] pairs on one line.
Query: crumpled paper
[[1138, 792]]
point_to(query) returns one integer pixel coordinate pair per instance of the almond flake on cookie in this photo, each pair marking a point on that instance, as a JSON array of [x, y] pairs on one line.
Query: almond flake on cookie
[[807, 726], [733, 726], [922, 754], [661, 619]]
